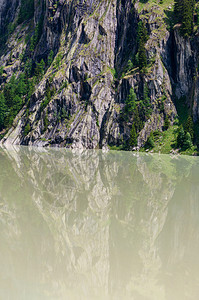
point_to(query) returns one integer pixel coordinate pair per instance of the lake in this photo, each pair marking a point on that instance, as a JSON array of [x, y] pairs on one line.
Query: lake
[[98, 225]]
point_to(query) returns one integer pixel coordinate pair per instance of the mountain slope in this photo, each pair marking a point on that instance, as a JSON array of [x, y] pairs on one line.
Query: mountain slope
[[97, 73]]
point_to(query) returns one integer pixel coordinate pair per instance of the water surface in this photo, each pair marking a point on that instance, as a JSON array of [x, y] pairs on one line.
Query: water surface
[[96, 225]]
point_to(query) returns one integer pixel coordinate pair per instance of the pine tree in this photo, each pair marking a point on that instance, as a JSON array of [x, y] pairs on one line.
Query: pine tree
[[39, 70], [180, 137], [21, 86], [12, 99], [166, 123], [2, 111], [184, 10], [150, 142], [189, 126], [142, 37], [10, 91], [187, 19], [50, 58], [187, 143], [42, 66], [16, 104], [28, 68], [130, 102], [30, 87], [133, 138], [137, 120], [178, 9], [184, 139], [142, 59]]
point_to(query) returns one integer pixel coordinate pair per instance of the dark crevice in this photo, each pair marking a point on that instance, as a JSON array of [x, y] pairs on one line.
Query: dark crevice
[[85, 91], [83, 38], [102, 31]]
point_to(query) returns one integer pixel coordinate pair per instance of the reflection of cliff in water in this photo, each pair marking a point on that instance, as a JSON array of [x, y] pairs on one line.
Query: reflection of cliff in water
[[97, 224]]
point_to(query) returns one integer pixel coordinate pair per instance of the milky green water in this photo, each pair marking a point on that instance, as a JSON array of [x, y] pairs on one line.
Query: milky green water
[[96, 225]]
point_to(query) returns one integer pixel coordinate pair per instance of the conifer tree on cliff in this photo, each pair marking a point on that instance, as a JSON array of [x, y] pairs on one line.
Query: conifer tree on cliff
[[184, 10]]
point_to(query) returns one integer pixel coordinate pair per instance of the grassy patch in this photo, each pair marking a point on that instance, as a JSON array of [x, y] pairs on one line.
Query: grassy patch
[[192, 151], [163, 8], [117, 148], [162, 5], [165, 141]]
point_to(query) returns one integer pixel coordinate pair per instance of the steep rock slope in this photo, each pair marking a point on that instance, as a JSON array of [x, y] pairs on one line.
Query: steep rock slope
[[80, 98]]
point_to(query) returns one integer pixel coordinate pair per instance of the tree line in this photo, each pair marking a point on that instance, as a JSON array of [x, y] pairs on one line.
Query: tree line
[[184, 12], [18, 90]]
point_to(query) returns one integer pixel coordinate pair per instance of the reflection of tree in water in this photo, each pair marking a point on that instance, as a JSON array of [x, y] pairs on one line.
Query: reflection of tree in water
[[92, 221]]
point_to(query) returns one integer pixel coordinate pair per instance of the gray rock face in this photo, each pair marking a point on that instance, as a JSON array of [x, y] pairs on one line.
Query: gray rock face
[[8, 10], [93, 42], [185, 73], [184, 65], [2, 8]]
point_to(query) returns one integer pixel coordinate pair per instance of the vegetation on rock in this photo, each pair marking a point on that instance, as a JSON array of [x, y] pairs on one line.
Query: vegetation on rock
[[90, 87], [184, 11]]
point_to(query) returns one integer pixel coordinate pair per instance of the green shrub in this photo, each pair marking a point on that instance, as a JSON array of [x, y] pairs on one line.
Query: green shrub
[[184, 141]]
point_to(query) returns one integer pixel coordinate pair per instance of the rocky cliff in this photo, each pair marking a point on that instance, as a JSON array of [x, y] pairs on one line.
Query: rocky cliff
[[89, 50]]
